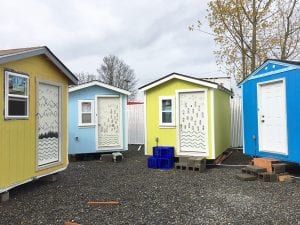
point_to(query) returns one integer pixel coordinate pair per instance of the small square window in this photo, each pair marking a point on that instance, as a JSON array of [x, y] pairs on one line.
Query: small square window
[[167, 105], [16, 95], [167, 117], [166, 111], [85, 112], [86, 118], [17, 106]]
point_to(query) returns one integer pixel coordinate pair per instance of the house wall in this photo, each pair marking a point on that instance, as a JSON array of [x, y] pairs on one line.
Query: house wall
[[167, 136], [292, 80], [222, 121], [87, 135], [18, 137]]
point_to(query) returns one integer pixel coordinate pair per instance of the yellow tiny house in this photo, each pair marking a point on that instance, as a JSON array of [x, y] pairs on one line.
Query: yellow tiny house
[[33, 99], [190, 114]]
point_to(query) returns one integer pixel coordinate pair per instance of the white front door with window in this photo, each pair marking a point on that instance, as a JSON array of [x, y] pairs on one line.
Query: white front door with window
[[48, 124], [193, 122], [109, 123], [272, 128]]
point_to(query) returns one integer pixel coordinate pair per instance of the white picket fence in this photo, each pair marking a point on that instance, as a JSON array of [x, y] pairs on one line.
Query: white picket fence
[[136, 123]]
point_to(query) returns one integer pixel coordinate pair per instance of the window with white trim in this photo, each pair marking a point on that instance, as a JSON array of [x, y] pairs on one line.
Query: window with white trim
[[166, 111], [85, 112], [16, 95]]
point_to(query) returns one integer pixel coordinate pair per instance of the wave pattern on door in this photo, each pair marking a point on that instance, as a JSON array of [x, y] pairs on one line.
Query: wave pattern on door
[[48, 124], [192, 122], [109, 117]]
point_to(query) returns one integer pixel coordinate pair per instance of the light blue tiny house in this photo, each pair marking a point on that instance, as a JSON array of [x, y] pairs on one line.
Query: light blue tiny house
[[97, 120], [271, 111]]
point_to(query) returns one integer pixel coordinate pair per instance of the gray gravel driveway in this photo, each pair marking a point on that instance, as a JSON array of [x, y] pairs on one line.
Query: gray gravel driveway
[[149, 196]]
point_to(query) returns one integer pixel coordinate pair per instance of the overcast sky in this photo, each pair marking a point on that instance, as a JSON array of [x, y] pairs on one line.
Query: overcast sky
[[151, 36]]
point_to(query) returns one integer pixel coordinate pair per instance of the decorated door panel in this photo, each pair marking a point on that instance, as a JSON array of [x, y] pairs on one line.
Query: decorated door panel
[[48, 124], [193, 129], [109, 122]]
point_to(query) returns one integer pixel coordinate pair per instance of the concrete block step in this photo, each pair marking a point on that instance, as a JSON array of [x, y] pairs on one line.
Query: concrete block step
[[245, 177], [181, 166], [267, 177], [4, 196], [200, 167], [253, 170], [278, 168], [183, 159]]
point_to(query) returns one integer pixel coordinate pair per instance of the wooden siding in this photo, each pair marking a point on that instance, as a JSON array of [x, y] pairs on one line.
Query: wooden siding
[[250, 111], [222, 121], [18, 137], [167, 136], [82, 139]]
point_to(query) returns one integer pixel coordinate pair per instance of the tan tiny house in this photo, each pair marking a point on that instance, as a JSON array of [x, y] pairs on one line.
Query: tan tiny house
[[33, 99]]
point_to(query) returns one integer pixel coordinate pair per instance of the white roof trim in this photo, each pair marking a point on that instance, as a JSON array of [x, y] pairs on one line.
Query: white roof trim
[[99, 84], [176, 76], [252, 75], [39, 51]]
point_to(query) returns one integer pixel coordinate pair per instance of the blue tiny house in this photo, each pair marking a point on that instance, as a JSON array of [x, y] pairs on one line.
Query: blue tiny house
[[97, 118], [271, 111]]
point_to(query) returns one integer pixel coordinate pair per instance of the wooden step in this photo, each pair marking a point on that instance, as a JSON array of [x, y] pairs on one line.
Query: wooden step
[[265, 163], [286, 178]]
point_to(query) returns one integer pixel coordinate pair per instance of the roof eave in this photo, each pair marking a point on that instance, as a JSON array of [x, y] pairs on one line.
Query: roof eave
[[40, 51], [177, 76], [99, 84], [263, 65]]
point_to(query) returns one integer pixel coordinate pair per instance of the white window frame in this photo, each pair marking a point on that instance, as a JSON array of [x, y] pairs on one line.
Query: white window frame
[[161, 123], [80, 124], [7, 95]]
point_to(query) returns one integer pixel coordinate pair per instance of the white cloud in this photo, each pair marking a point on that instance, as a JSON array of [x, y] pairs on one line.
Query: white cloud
[[151, 36]]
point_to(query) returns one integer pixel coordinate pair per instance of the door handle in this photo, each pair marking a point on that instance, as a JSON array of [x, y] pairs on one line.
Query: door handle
[[262, 121]]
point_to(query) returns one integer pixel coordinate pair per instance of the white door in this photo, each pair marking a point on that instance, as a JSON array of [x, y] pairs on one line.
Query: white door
[[272, 127], [192, 118], [48, 124], [109, 118]]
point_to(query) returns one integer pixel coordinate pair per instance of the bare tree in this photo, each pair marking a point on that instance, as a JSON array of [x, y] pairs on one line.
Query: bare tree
[[237, 25], [116, 72], [84, 77], [285, 33], [249, 31]]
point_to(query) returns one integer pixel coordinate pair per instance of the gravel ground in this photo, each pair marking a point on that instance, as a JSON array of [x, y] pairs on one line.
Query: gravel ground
[[152, 196]]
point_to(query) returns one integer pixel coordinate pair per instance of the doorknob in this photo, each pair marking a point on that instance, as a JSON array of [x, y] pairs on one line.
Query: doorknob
[[262, 121]]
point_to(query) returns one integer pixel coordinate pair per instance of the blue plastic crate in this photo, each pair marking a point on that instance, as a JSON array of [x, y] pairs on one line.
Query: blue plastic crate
[[152, 162], [163, 151], [165, 163]]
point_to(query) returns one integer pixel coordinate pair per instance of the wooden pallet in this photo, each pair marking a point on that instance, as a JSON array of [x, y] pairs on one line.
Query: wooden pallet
[[223, 156]]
